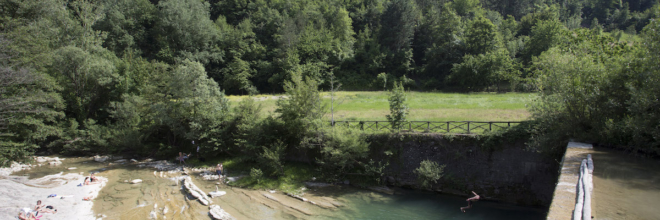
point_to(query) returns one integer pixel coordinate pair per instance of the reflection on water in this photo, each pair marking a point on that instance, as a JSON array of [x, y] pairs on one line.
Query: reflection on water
[[162, 196], [625, 186]]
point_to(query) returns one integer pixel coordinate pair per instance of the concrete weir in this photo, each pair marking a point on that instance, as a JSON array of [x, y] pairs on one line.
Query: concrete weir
[[572, 198]]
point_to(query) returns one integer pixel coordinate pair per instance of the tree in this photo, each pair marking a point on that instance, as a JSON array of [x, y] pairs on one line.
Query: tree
[[477, 72], [481, 36], [184, 30], [302, 109], [396, 34], [398, 106], [29, 109], [127, 24], [87, 79], [545, 35]]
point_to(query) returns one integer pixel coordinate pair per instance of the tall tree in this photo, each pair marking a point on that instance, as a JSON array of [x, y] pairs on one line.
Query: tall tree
[[481, 36]]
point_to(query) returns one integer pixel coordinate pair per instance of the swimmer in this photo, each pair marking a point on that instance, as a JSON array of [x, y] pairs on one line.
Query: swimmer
[[475, 198]]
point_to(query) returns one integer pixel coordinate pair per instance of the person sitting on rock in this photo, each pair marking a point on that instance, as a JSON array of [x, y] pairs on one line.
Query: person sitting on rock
[[88, 182], [92, 178], [475, 198], [38, 207], [26, 214]]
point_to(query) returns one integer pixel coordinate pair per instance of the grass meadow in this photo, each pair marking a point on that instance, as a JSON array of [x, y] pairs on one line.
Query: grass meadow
[[424, 106]]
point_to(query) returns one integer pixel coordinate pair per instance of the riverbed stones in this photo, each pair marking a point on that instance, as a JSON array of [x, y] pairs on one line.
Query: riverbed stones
[[219, 213], [191, 188], [136, 181], [214, 194], [101, 159]]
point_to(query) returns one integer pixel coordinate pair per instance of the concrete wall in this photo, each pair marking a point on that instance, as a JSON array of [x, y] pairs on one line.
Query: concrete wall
[[507, 172]]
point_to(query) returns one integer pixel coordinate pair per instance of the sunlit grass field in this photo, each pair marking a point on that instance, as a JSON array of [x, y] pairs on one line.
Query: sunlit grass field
[[424, 106]]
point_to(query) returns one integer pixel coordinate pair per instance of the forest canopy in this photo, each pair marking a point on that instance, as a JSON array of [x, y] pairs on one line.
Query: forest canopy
[[88, 76]]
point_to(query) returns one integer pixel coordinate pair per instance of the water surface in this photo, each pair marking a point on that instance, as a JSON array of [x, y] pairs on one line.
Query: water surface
[[162, 195], [625, 186]]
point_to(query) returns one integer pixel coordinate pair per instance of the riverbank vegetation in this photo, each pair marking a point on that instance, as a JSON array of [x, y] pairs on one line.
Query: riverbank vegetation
[[146, 78]]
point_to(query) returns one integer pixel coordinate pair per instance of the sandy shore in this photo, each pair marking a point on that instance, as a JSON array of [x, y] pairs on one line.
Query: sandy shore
[[19, 192]]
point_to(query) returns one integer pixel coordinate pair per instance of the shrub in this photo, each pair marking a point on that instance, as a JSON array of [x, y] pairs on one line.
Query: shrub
[[256, 174], [398, 106], [429, 172]]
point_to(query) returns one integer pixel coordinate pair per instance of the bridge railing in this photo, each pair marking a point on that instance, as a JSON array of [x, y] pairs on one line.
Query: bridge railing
[[456, 127]]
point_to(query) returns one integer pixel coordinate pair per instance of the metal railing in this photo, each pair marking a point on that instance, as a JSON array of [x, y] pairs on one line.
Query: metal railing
[[456, 127]]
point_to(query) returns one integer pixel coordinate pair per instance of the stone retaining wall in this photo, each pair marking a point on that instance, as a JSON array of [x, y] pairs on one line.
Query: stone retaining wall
[[510, 173]]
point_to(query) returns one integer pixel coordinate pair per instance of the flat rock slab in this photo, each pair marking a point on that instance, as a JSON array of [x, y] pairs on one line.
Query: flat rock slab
[[563, 200]]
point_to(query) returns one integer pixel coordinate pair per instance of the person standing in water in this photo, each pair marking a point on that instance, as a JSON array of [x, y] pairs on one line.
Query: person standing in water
[[475, 198]]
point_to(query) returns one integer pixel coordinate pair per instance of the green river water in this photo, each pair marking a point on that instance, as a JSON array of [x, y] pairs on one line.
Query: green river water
[[121, 200]]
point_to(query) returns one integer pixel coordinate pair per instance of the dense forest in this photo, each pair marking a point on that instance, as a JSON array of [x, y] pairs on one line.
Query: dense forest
[[146, 77]]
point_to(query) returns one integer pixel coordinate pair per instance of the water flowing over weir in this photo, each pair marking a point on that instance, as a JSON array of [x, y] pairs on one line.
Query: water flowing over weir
[[160, 195]]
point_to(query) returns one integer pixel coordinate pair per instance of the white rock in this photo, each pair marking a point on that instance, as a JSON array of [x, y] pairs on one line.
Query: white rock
[[120, 161], [135, 181], [217, 194], [218, 213], [100, 159], [72, 168]]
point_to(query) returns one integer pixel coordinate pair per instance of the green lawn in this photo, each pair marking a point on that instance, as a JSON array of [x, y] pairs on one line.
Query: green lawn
[[424, 106]]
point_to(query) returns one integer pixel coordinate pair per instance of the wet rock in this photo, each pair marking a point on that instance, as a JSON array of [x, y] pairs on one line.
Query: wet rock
[[120, 161], [134, 160], [317, 184], [100, 159], [191, 188], [390, 180], [234, 178], [218, 213], [217, 194]]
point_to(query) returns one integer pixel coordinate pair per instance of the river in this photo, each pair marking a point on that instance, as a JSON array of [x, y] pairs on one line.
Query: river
[[163, 196]]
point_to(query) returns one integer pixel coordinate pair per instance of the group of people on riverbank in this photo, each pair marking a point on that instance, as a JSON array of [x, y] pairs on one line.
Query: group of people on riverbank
[[30, 214]]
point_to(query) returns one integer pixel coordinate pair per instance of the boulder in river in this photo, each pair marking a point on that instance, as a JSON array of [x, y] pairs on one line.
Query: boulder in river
[[218, 213], [214, 194], [195, 191], [100, 159], [136, 181]]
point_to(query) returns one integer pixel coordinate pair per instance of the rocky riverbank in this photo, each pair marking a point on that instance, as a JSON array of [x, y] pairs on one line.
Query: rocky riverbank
[[20, 192]]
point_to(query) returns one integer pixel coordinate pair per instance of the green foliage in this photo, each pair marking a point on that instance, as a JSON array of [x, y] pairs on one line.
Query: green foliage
[[398, 107], [429, 172], [484, 70], [29, 109], [545, 34], [343, 152], [273, 157], [481, 36], [256, 174], [301, 109]]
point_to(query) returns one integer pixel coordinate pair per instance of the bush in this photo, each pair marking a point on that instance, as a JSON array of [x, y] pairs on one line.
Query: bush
[[256, 174], [429, 172], [398, 106]]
